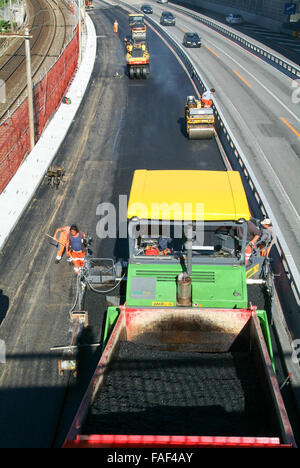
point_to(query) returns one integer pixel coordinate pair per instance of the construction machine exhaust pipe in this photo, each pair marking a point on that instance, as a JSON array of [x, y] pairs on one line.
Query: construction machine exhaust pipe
[[184, 280], [184, 290]]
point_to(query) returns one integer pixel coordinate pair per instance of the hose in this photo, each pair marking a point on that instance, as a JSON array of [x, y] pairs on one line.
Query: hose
[[108, 290], [78, 279]]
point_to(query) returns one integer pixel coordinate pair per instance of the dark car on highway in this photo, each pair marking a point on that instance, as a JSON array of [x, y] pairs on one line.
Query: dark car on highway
[[146, 9], [191, 39], [167, 19]]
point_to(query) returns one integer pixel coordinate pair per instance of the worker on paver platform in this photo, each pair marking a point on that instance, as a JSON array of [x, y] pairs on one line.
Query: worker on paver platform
[[253, 235], [62, 236], [76, 247], [268, 238], [206, 97]]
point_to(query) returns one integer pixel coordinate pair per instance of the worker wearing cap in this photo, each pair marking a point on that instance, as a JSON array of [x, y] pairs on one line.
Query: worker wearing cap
[[206, 97], [76, 247], [266, 223], [61, 235], [268, 236]]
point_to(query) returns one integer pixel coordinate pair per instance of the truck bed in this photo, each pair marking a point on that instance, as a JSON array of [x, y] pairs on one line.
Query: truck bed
[[149, 391], [182, 376]]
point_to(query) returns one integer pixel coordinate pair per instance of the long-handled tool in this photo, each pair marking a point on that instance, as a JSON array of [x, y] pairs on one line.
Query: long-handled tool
[[56, 240]]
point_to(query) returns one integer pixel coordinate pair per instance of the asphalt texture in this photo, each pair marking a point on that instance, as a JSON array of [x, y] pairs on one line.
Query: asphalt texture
[[148, 391], [122, 125]]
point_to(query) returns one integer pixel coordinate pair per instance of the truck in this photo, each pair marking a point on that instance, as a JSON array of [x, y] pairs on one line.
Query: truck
[[187, 360]]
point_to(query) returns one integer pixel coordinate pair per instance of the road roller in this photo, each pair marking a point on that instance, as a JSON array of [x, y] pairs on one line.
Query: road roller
[[200, 120], [137, 26], [137, 60]]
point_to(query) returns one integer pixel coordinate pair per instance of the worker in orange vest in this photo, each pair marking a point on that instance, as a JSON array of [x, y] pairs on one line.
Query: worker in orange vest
[[71, 241], [116, 26], [76, 247], [206, 97], [253, 235], [62, 235]]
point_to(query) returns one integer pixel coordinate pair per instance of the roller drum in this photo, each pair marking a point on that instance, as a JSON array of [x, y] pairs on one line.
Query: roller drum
[[201, 133]]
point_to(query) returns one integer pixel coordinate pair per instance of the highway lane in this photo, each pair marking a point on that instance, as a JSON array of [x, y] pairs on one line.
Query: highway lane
[[122, 125], [262, 108], [284, 45]]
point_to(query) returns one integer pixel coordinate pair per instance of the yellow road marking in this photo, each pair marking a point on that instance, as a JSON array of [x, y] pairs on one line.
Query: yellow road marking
[[243, 79], [212, 51], [291, 127]]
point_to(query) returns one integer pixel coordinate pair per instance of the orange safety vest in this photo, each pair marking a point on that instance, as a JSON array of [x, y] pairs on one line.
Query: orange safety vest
[[116, 26]]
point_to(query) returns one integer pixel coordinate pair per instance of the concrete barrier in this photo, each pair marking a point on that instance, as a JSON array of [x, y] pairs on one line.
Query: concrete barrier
[[19, 192]]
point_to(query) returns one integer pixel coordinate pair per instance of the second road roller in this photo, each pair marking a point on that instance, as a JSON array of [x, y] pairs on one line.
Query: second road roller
[[137, 26], [200, 120]]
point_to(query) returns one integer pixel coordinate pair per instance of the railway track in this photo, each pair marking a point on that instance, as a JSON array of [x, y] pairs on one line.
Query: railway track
[[50, 30]]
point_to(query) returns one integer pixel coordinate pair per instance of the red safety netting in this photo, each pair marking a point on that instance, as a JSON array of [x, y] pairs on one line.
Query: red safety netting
[[48, 94]]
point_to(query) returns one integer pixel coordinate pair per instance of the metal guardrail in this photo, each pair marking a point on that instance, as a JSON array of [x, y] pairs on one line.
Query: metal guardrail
[[286, 67]]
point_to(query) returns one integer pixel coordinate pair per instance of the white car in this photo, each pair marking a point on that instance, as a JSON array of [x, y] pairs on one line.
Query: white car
[[234, 19]]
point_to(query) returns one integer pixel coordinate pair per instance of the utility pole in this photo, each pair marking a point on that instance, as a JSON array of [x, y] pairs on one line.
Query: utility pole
[[11, 19], [27, 38], [29, 89], [81, 21]]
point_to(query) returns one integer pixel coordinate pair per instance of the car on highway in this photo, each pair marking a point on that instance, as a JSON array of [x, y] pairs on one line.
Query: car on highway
[[161, 1], [147, 9], [233, 18], [167, 19], [191, 39]]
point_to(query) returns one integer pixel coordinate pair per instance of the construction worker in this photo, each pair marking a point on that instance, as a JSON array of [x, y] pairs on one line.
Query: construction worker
[[142, 46], [62, 236], [129, 44], [253, 235], [206, 97], [268, 237], [116, 26], [76, 247]]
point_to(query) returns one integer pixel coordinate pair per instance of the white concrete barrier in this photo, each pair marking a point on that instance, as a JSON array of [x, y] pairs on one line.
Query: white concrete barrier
[[18, 193]]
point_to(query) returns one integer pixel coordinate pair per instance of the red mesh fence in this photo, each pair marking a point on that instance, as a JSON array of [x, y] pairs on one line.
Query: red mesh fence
[[48, 94]]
